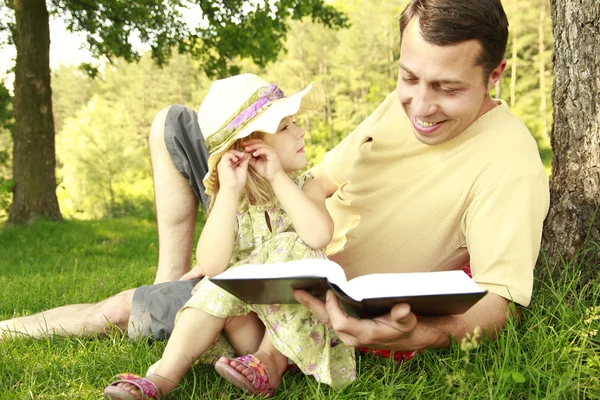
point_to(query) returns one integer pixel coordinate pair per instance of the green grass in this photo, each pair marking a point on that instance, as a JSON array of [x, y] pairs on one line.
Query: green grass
[[553, 354]]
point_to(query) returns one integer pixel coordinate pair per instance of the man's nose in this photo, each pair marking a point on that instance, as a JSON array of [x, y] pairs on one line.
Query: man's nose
[[423, 103]]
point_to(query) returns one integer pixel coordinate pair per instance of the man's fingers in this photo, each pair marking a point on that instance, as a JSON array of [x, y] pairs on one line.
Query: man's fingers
[[314, 305], [337, 317], [403, 317], [194, 273], [349, 329]]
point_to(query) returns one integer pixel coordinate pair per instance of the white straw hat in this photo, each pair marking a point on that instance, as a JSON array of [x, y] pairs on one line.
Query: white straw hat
[[236, 107]]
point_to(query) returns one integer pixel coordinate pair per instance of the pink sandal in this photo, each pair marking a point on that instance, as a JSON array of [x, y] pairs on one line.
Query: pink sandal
[[147, 390], [261, 383]]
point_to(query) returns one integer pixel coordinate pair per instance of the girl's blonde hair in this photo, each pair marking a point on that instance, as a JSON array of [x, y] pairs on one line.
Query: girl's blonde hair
[[257, 189]]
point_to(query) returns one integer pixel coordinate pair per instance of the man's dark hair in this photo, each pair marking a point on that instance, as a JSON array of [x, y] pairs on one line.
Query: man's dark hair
[[444, 22]]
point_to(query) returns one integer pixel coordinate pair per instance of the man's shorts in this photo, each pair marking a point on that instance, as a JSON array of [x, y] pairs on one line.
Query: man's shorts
[[185, 143], [154, 308]]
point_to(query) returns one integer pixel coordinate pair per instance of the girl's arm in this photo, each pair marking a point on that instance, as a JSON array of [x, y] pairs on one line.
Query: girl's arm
[[213, 253], [306, 208], [215, 245]]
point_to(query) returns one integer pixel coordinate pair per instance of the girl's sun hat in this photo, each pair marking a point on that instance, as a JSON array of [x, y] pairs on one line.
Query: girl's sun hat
[[236, 107]]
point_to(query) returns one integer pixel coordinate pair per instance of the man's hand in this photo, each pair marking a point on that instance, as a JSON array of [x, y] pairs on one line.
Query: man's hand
[[396, 331], [401, 330], [194, 273]]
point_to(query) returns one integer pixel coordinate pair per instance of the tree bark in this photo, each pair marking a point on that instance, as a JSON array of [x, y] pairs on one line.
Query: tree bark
[[572, 229], [34, 153]]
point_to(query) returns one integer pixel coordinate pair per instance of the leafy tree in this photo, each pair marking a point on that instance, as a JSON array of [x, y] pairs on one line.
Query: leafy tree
[[103, 164], [527, 81], [228, 29], [76, 89]]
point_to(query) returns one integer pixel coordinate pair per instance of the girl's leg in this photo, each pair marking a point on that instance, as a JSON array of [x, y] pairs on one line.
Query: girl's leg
[[245, 333], [193, 334], [275, 362]]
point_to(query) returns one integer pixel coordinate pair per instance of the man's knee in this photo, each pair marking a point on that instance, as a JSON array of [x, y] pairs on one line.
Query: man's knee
[[116, 309], [157, 132]]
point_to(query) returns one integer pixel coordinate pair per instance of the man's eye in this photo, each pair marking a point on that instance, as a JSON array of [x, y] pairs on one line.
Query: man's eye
[[447, 90], [409, 79]]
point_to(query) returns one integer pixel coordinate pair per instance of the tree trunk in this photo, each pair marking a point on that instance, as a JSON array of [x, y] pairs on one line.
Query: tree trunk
[[572, 229], [34, 159]]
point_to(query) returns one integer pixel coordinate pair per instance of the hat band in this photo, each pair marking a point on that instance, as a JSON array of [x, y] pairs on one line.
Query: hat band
[[256, 104]]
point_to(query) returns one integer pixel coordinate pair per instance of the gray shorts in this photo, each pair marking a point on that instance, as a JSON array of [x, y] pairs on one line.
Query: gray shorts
[[154, 309], [185, 143]]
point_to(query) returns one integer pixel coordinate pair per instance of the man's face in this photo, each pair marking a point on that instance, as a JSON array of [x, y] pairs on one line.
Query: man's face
[[441, 89]]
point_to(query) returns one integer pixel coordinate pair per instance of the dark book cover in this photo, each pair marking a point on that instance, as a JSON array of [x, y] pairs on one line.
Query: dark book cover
[[280, 291]]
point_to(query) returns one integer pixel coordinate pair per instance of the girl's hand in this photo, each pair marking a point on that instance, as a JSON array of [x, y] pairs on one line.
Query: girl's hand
[[263, 158], [233, 169]]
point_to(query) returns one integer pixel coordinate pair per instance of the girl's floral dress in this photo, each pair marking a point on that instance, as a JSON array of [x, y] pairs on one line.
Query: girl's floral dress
[[265, 235]]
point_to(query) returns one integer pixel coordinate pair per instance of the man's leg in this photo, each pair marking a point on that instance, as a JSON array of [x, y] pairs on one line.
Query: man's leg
[[73, 320], [176, 207]]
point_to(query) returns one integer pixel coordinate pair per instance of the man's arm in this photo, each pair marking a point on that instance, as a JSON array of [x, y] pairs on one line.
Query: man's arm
[[402, 330], [320, 176]]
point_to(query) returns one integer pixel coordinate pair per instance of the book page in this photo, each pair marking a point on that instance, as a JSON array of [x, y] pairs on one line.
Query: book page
[[300, 268], [410, 284]]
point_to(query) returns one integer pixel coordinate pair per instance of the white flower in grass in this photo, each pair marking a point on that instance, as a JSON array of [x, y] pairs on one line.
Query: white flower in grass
[[471, 341]]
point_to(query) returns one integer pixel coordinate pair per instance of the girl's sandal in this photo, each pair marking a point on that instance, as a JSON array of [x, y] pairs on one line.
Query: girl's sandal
[[260, 385], [146, 389]]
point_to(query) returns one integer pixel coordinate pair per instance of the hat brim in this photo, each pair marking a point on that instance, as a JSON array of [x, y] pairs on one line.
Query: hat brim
[[311, 98]]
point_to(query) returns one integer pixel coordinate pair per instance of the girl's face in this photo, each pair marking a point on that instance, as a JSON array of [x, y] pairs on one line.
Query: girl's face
[[288, 142]]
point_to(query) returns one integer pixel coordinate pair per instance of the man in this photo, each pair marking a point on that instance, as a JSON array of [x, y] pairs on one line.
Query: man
[[438, 177]]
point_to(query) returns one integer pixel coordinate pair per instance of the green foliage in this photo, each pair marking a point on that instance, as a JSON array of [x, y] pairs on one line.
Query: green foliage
[[102, 162], [224, 29], [73, 90], [552, 354], [6, 126], [357, 67], [525, 21]]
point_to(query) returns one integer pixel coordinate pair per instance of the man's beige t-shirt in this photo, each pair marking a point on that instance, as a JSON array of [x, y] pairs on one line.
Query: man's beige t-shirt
[[403, 206]]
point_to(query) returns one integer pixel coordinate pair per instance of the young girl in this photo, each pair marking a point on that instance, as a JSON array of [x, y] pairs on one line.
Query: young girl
[[258, 214]]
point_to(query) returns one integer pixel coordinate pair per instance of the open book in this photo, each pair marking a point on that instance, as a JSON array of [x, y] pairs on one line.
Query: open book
[[367, 296]]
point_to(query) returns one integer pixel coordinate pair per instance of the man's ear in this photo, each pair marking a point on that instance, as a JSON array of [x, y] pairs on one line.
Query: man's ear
[[496, 74]]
